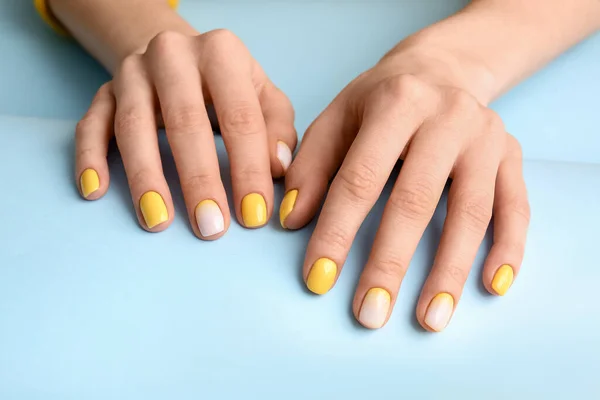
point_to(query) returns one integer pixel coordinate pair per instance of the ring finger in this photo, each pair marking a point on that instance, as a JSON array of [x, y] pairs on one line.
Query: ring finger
[[470, 204]]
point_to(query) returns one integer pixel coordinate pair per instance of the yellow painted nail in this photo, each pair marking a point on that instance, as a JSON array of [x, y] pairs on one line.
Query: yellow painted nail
[[503, 279], [254, 210], [375, 308], [89, 181], [287, 206], [321, 276], [153, 209], [439, 312]]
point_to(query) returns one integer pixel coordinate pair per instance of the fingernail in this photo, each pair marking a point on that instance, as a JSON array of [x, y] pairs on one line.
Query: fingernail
[[209, 218], [284, 154], [153, 209], [287, 206], [375, 308], [89, 181], [439, 312], [503, 279], [321, 276], [254, 210]]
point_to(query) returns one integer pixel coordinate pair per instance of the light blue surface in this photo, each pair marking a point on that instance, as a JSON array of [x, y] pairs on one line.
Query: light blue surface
[[93, 307]]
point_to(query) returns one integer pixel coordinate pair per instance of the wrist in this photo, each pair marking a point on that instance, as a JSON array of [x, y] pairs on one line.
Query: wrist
[[492, 45], [105, 28]]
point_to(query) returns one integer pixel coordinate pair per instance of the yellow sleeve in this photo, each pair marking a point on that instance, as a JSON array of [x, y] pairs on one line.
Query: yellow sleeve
[[44, 11]]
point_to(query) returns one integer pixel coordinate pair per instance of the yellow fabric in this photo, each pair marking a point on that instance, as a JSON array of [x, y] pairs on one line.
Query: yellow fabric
[[44, 11]]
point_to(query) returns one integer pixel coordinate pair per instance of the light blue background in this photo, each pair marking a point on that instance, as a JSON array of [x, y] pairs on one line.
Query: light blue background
[[92, 307]]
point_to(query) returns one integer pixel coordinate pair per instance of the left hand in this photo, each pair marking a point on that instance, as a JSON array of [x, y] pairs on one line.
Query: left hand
[[413, 106]]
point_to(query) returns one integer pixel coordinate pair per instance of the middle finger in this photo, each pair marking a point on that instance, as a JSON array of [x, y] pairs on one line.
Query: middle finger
[[245, 135], [179, 88]]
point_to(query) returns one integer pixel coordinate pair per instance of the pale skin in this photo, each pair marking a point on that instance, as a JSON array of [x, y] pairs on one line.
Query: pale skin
[[425, 102]]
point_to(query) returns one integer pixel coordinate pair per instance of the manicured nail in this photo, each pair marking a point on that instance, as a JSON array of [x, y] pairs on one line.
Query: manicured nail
[[209, 218], [89, 181], [287, 206], [284, 154], [439, 312], [254, 210], [153, 209], [503, 279], [375, 308], [321, 276]]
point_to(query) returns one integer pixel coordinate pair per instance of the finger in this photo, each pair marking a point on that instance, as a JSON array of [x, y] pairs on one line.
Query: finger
[[92, 135], [136, 133], [469, 213], [178, 85], [279, 119], [245, 136], [511, 221], [356, 187], [411, 205], [321, 153]]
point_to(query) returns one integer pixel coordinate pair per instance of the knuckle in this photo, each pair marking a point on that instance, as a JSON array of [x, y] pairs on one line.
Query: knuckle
[[84, 153], [105, 89], [130, 65], [87, 124], [219, 39], [388, 268], [184, 119], [335, 237], [514, 147], [199, 181], [402, 86], [140, 177], [249, 173], [127, 121], [359, 180], [474, 210], [463, 104], [242, 119], [521, 208], [405, 91], [165, 40], [416, 201], [494, 122], [456, 273]]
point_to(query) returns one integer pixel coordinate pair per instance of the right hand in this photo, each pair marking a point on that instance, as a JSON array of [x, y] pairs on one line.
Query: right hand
[[177, 76]]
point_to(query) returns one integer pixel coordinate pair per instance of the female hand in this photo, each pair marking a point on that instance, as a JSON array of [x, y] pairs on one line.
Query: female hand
[[413, 106], [177, 76]]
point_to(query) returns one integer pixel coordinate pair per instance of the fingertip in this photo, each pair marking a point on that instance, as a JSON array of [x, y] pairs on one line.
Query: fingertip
[[210, 221], [287, 206], [302, 201], [254, 211], [283, 155], [437, 313], [91, 184], [503, 279], [374, 308], [156, 216]]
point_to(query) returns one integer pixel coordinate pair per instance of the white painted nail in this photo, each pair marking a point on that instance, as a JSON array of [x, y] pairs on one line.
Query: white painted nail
[[209, 218], [284, 154], [439, 312], [375, 308]]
